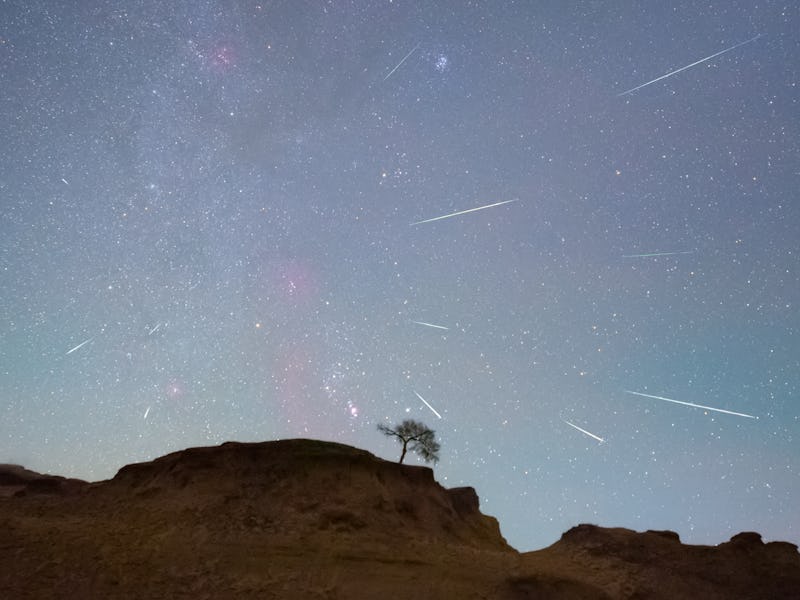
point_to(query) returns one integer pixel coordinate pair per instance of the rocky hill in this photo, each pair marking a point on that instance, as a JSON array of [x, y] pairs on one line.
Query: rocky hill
[[310, 519]]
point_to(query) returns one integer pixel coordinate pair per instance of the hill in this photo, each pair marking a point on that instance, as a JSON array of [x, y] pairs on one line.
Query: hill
[[310, 519]]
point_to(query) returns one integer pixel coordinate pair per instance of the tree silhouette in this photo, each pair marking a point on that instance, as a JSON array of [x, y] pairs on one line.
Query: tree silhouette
[[418, 435]]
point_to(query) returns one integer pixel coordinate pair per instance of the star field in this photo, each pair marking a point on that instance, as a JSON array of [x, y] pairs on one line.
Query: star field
[[218, 221]]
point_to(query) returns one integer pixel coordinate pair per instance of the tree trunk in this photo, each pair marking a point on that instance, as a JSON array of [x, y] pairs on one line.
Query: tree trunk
[[403, 455]]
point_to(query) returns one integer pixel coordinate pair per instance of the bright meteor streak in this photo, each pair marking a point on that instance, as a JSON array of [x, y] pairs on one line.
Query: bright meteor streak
[[656, 254], [79, 346], [401, 62], [721, 410], [589, 433], [676, 71], [428, 405], [463, 212], [431, 325]]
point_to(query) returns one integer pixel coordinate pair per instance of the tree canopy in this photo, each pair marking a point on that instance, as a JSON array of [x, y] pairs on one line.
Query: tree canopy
[[414, 435]]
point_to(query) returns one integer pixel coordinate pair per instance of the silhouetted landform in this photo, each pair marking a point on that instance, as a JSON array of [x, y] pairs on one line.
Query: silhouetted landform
[[309, 519], [16, 480]]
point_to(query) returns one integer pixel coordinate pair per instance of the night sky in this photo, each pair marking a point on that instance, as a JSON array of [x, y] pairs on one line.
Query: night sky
[[210, 231]]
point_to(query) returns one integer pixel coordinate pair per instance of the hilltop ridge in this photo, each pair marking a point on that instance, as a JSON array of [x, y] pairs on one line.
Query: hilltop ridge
[[312, 519]]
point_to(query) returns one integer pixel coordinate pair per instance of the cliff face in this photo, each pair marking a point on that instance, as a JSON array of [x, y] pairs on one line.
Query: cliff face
[[309, 519]]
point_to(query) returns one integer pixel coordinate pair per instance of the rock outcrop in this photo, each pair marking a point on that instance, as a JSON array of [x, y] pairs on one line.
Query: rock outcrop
[[620, 563]]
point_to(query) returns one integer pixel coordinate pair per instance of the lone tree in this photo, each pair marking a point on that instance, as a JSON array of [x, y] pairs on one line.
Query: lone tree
[[418, 435]]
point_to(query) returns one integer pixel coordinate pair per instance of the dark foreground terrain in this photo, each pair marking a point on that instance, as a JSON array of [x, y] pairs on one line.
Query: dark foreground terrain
[[310, 519]]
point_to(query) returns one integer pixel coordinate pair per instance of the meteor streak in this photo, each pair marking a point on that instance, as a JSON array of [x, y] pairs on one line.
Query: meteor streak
[[147, 412], [79, 346], [463, 212], [656, 254], [676, 71], [428, 405], [401, 62], [722, 410], [154, 329], [590, 434], [431, 325]]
